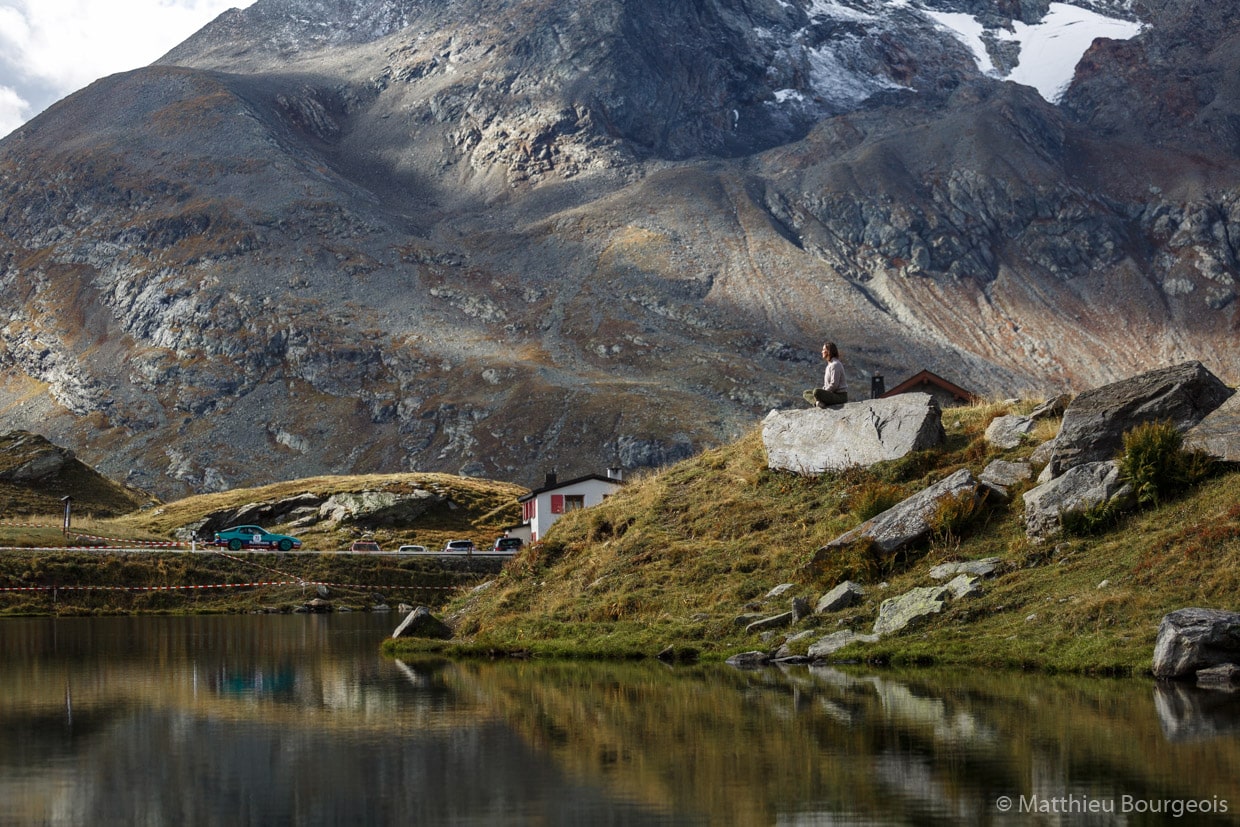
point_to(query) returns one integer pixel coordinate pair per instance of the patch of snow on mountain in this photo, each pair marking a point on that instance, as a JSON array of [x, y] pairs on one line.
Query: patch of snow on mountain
[[968, 31], [1050, 50]]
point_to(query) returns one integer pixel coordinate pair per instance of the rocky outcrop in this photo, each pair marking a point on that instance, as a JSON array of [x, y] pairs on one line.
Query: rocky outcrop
[[815, 440], [366, 508], [1094, 424], [422, 623], [911, 520], [1190, 640], [1081, 488], [374, 508], [27, 457]]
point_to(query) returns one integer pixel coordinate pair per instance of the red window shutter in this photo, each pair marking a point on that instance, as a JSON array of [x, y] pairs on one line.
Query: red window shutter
[[557, 503]]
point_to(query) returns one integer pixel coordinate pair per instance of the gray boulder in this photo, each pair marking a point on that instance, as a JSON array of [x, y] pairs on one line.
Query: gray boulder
[[778, 621], [1000, 475], [815, 440], [749, 660], [1219, 433], [832, 643], [898, 613], [1008, 431], [964, 585], [842, 596], [909, 521], [421, 623], [1193, 639], [1094, 424], [977, 568], [1080, 489], [780, 590]]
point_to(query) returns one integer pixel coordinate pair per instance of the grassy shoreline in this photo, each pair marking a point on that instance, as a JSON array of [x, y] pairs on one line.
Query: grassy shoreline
[[678, 556], [672, 563]]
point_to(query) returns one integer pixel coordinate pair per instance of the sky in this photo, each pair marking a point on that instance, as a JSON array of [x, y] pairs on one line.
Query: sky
[[51, 48]]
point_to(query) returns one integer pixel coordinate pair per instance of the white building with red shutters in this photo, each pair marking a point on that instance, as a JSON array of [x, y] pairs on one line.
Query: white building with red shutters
[[543, 506]]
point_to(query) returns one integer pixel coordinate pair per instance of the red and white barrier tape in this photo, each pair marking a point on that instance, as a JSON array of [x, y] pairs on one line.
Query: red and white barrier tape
[[141, 588], [301, 583], [142, 543]]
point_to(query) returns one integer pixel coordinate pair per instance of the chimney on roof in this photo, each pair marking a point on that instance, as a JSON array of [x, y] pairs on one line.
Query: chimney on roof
[[616, 473], [551, 480], [877, 388]]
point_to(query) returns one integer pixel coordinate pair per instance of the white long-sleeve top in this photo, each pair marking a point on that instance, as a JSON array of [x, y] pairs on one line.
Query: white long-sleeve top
[[833, 380]]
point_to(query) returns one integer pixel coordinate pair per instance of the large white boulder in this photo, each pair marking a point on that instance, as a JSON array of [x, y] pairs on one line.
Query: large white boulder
[[815, 440]]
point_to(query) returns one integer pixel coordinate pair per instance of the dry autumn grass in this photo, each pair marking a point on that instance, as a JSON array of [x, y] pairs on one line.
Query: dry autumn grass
[[678, 555]]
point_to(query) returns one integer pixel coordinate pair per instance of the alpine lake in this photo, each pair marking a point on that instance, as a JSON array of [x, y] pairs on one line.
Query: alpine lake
[[299, 719]]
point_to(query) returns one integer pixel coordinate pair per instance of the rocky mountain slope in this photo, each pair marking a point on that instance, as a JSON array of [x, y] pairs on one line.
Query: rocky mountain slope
[[35, 475], [496, 236]]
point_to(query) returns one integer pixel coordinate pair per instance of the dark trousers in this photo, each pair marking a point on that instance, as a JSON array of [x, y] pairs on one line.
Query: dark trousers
[[823, 398]]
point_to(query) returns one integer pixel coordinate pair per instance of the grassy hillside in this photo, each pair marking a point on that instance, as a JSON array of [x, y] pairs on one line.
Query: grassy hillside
[[469, 508], [677, 556]]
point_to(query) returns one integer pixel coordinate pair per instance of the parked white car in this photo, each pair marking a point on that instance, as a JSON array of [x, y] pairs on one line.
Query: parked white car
[[411, 550]]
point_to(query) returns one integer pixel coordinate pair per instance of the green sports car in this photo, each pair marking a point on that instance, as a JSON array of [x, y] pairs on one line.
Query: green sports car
[[251, 536]]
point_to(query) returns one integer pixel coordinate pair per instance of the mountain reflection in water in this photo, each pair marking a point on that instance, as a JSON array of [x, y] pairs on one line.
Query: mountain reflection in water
[[265, 720]]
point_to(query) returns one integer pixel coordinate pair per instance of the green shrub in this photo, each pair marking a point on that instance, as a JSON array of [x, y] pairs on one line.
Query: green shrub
[[1154, 463]]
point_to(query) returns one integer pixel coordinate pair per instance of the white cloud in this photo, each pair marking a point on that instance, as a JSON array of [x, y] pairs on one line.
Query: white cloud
[[50, 48], [13, 110]]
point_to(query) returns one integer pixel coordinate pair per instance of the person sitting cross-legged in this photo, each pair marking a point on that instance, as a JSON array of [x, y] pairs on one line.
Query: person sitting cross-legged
[[834, 390]]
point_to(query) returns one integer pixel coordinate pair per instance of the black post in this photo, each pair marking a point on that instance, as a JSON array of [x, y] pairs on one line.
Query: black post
[[68, 501], [877, 388]]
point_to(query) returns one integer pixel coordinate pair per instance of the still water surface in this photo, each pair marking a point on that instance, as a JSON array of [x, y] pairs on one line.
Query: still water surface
[[286, 720]]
